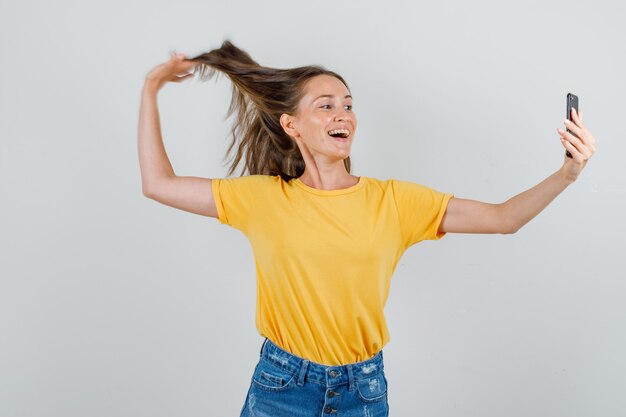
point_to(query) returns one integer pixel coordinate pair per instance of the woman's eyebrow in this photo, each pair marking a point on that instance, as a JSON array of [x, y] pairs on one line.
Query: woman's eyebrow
[[330, 95]]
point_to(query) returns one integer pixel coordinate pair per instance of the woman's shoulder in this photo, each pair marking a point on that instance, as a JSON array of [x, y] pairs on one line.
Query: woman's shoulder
[[253, 178], [400, 186], [380, 182], [394, 181]]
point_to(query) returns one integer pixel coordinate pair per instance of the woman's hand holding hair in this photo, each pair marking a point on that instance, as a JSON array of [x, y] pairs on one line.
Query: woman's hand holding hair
[[580, 143], [176, 69], [155, 166]]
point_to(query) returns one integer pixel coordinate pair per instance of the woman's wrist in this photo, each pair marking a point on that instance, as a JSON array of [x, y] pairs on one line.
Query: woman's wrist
[[568, 178], [151, 85]]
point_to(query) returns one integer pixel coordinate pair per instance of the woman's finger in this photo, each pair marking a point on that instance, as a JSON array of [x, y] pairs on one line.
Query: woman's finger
[[584, 134], [584, 151], [576, 119], [178, 79], [576, 140], [576, 125], [576, 155], [575, 130], [568, 137]]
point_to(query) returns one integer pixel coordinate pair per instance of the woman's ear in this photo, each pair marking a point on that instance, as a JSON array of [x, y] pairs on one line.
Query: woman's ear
[[286, 121]]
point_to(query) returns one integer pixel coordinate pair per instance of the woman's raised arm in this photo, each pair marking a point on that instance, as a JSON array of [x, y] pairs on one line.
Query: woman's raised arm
[[158, 180]]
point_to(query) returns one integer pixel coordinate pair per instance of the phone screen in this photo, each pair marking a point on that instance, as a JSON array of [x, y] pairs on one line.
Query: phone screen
[[572, 103]]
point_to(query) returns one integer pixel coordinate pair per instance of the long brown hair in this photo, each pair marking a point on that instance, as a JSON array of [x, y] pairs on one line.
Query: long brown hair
[[259, 96]]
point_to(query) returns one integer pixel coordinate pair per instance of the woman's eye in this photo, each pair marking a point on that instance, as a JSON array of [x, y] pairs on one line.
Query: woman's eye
[[327, 105]]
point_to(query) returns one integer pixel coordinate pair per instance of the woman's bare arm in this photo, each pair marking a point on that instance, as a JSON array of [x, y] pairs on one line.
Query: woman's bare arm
[[158, 180], [469, 216]]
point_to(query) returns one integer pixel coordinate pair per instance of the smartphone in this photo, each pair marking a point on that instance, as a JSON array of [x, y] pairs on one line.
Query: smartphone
[[572, 102]]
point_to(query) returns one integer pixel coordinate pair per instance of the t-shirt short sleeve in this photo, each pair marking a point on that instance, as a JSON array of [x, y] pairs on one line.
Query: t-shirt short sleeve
[[234, 199], [420, 211]]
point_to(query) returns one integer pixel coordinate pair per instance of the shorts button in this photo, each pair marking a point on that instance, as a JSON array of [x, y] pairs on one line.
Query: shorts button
[[332, 394], [330, 410], [334, 373]]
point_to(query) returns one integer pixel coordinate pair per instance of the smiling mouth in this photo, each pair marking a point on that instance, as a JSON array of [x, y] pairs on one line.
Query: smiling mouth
[[340, 134]]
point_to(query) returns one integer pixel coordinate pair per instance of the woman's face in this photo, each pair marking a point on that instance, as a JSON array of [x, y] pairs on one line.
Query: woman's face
[[325, 107]]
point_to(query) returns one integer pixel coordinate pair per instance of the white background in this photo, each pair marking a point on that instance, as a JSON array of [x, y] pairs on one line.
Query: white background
[[112, 304]]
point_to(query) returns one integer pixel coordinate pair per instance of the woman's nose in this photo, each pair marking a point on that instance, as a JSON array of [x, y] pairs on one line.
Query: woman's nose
[[342, 115]]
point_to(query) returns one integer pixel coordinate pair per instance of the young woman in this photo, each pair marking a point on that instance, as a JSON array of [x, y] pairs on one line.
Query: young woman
[[325, 241]]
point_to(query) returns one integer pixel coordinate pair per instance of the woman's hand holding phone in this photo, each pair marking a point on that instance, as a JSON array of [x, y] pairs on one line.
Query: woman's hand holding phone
[[578, 140]]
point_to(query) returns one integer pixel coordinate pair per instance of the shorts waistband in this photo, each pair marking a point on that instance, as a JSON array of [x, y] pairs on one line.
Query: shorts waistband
[[326, 375]]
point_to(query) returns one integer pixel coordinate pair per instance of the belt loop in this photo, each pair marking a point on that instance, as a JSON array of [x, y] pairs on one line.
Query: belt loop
[[350, 378], [262, 346], [303, 368]]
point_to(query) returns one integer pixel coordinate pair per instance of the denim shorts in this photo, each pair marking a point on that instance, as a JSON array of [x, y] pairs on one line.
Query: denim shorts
[[286, 385]]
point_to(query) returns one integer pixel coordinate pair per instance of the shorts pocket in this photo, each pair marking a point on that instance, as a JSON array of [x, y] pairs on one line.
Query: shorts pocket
[[273, 378], [372, 388]]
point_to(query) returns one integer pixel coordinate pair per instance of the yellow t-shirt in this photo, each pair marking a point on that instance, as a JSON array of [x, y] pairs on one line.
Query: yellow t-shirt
[[324, 258]]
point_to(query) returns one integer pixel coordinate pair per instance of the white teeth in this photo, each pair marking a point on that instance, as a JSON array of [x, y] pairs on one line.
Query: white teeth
[[346, 132]]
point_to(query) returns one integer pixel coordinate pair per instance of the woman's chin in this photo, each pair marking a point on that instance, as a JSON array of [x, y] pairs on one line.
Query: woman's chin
[[342, 156], [342, 144]]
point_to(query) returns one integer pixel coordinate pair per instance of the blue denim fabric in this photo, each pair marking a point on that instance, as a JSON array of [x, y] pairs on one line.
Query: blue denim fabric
[[286, 385]]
